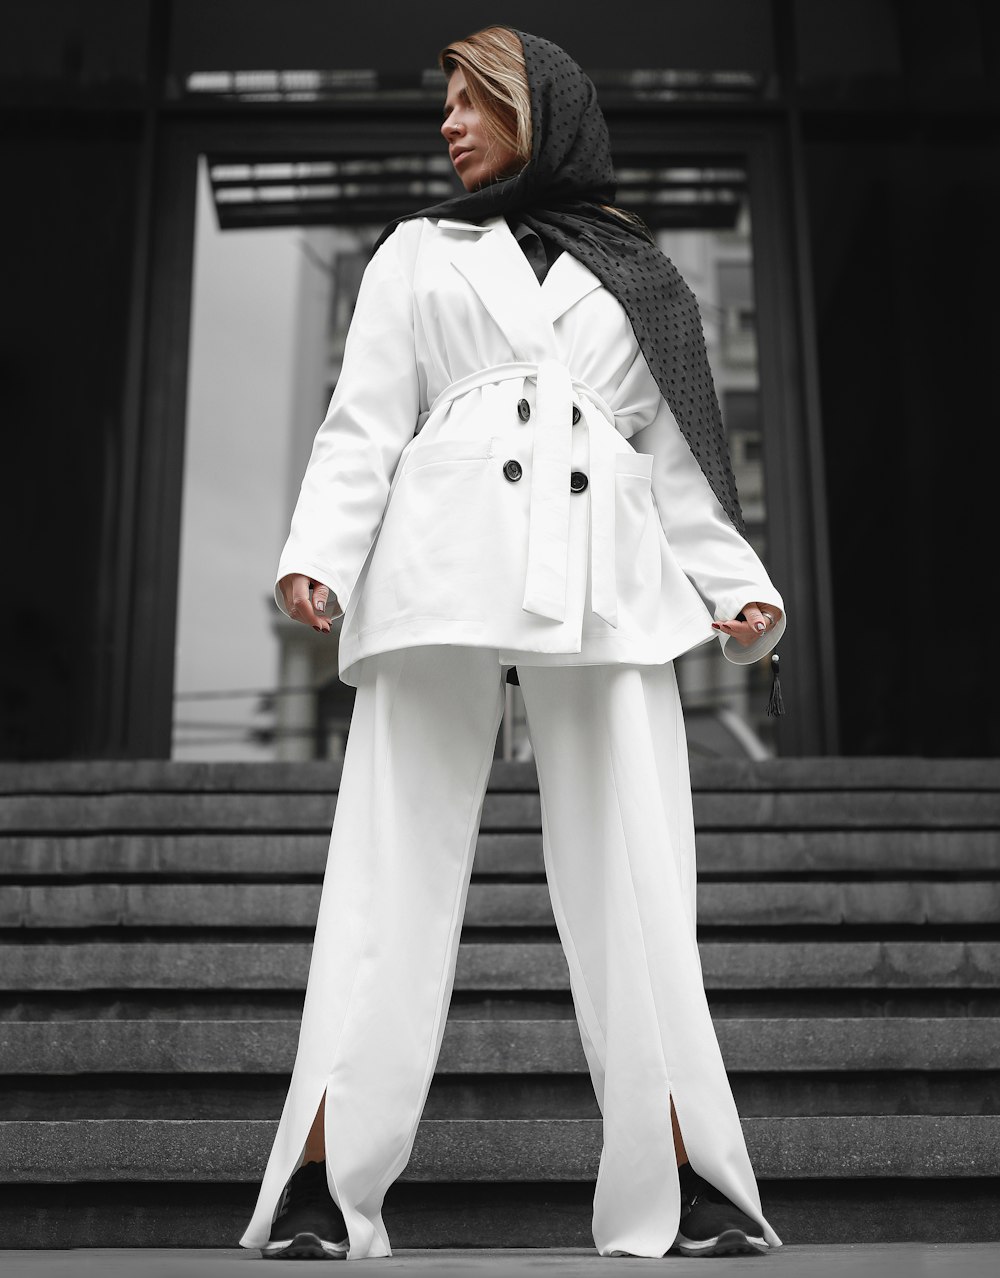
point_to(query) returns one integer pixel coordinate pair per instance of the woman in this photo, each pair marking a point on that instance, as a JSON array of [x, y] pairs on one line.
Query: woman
[[522, 466]]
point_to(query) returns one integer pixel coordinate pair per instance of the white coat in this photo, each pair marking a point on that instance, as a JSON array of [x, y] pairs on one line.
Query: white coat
[[437, 502]]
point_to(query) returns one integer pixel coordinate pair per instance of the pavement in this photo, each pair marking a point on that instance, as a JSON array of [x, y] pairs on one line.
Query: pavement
[[887, 1260]]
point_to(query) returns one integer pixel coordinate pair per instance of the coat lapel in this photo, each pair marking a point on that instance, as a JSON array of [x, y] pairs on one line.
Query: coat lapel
[[566, 282], [492, 261]]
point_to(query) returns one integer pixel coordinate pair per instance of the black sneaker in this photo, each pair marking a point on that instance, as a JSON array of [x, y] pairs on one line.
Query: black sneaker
[[711, 1225], [309, 1224]]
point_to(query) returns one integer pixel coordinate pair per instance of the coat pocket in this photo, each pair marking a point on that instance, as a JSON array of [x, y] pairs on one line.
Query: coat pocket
[[633, 463], [449, 450], [435, 548], [636, 548]]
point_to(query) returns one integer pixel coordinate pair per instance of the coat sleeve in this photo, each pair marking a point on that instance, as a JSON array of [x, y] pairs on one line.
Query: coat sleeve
[[371, 418], [721, 564]]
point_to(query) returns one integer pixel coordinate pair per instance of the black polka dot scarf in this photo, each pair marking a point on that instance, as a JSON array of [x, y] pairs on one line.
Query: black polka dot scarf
[[558, 193]]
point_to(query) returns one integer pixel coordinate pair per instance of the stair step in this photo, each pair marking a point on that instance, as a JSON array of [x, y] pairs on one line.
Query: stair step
[[800, 810], [281, 856], [40, 1097], [823, 772], [504, 966], [841, 1146], [510, 905], [904, 1220], [773, 1045]]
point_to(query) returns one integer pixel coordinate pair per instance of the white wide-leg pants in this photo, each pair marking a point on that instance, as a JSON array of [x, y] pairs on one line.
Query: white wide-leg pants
[[618, 843]]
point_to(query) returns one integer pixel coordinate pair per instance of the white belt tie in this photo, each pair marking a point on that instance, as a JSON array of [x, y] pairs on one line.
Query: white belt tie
[[550, 495]]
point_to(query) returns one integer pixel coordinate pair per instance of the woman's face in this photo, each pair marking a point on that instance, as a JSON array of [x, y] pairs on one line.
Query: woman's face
[[475, 157]]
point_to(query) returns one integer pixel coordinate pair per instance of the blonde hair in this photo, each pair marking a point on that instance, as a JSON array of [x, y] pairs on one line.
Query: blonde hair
[[496, 79]]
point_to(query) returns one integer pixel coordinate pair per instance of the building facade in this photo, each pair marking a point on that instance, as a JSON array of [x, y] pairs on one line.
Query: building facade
[[824, 173]]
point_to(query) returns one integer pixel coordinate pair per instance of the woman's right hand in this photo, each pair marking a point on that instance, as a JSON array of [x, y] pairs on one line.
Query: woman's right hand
[[294, 587]]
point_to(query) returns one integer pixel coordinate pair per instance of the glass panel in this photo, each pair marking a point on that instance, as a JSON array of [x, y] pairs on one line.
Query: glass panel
[[271, 310], [724, 704]]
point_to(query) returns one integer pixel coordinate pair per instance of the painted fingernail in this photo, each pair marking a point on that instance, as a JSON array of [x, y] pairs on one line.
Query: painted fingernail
[[760, 625], [320, 605]]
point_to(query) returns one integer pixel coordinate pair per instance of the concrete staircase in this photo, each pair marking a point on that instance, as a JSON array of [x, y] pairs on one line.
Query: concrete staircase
[[155, 924]]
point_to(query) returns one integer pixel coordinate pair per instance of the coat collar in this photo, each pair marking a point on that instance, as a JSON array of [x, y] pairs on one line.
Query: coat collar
[[493, 262]]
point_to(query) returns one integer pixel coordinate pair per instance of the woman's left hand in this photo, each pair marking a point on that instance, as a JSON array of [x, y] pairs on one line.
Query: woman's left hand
[[753, 621]]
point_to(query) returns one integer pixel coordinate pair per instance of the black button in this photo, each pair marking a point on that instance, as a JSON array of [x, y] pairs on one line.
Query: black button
[[578, 481], [523, 409], [576, 413], [512, 469]]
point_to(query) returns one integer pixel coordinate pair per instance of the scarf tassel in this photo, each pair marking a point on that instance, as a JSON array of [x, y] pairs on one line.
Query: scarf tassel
[[775, 704]]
